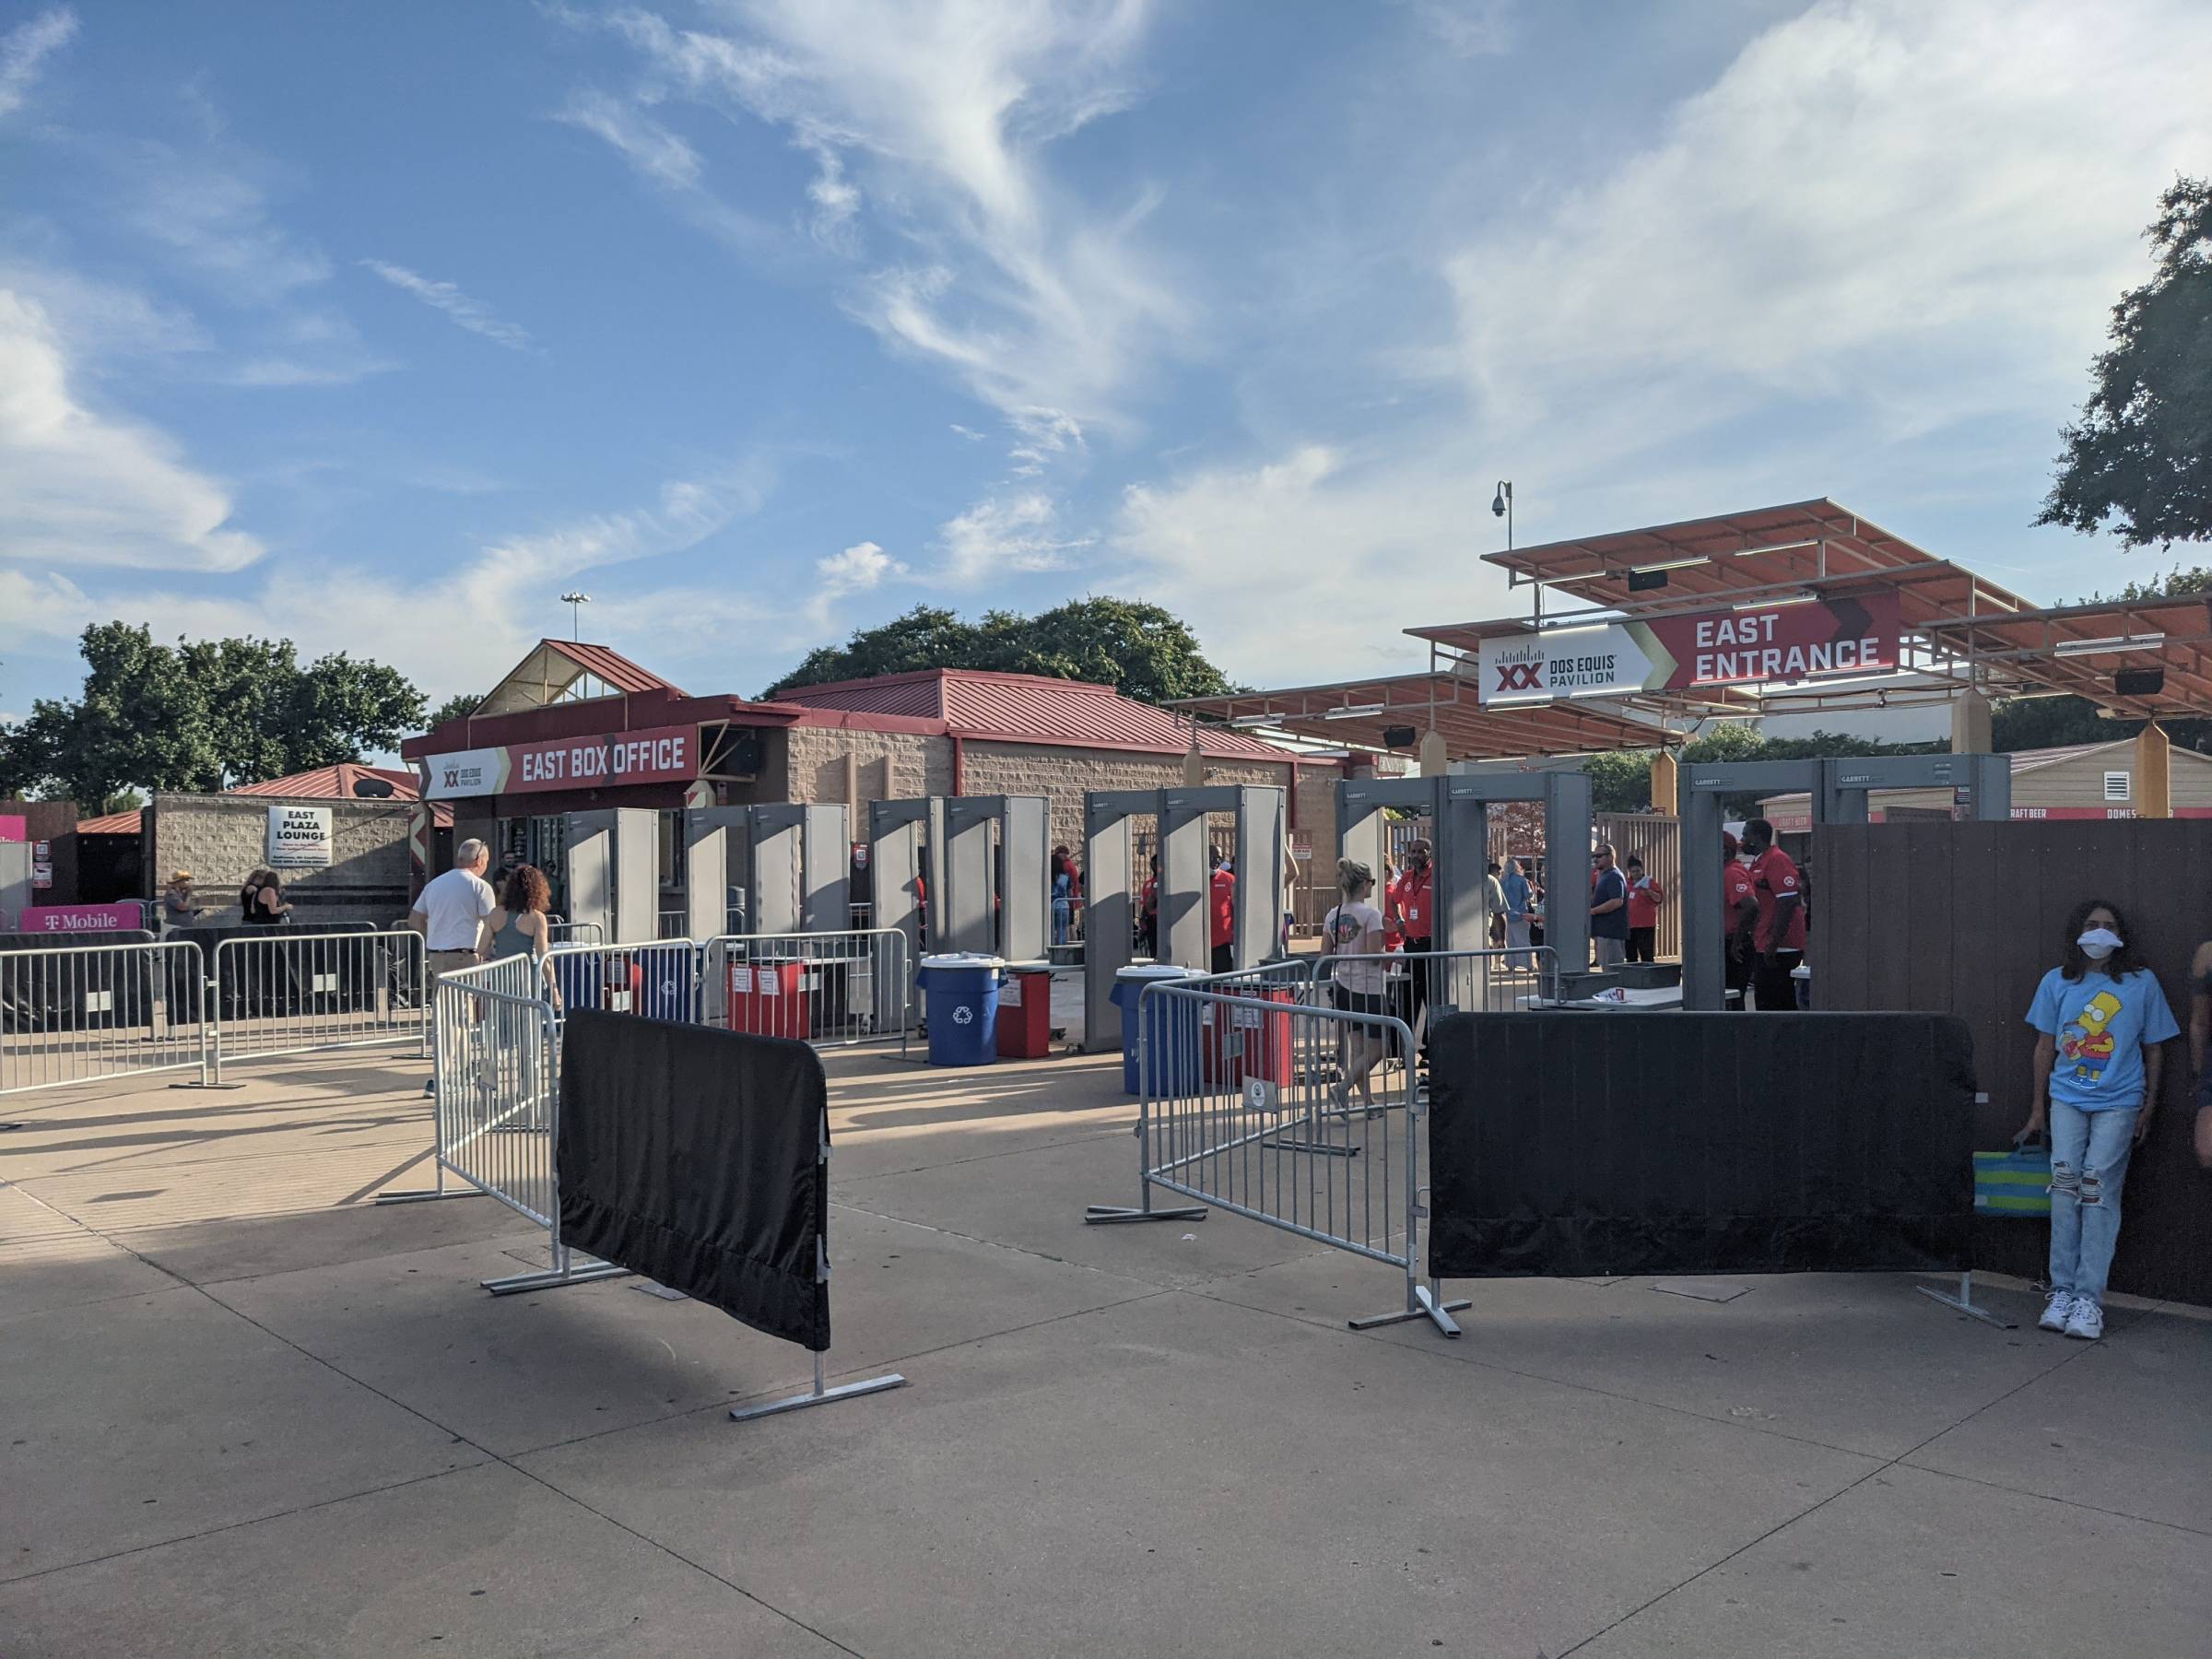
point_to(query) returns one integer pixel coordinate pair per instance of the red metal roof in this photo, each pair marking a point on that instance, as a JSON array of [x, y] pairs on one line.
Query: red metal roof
[[605, 663], [1030, 708], [321, 783]]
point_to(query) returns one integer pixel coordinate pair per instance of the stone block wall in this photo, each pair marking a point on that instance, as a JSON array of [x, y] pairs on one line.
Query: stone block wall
[[222, 838], [1065, 774], [889, 765]]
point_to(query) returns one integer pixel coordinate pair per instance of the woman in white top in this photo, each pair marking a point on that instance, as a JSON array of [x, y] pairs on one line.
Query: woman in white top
[[1355, 931]]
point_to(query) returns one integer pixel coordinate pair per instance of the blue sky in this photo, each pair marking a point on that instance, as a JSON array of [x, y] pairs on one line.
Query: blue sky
[[760, 319]]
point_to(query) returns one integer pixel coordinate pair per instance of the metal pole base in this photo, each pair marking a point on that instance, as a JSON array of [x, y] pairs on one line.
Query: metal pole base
[[1104, 1215], [1964, 1303], [819, 1396], [1425, 1306], [571, 1274], [206, 1085], [428, 1195], [1318, 1148]]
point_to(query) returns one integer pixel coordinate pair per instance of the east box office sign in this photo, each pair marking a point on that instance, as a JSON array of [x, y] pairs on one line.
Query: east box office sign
[[658, 754], [299, 838]]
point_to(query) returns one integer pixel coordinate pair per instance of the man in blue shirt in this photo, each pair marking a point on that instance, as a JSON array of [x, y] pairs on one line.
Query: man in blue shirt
[[1518, 898], [2100, 1018], [1609, 909]]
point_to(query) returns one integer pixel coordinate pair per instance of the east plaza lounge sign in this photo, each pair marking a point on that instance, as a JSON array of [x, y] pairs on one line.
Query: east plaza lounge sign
[[1759, 646], [660, 754]]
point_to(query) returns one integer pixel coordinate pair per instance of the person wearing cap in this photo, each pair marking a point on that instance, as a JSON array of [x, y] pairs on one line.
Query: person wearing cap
[[1411, 913], [1645, 897], [1739, 917], [180, 905], [1780, 939], [1221, 913]]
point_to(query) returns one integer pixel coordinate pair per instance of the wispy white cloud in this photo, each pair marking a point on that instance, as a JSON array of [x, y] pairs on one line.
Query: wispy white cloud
[[1034, 298], [78, 488], [857, 570], [470, 314], [657, 153], [25, 48], [496, 600], [1006, 535], [1467, 29], [212, 217]]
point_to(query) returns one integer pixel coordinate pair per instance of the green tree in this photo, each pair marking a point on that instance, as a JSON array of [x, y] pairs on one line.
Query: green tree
[[454, 708], [1140, 650], [201, 715], [2141, 454]]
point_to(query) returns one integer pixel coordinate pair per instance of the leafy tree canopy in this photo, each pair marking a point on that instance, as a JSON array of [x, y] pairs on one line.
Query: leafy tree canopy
[[2141, 455], [201, 715], [1140, 650], [452, 708]]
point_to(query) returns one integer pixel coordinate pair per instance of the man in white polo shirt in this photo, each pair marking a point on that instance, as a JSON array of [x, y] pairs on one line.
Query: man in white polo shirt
[[450, 915]]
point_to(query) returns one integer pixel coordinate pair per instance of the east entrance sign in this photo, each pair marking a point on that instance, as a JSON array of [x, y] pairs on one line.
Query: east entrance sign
[[1758, 646]]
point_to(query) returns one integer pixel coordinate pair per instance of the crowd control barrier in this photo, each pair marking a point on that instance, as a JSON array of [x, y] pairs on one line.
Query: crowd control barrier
[[497, 1066], [573, 933], [1433, 984], [832, 989], [1255, 1108], [1700, 1143], [91, 1010], [275, 992], [659, 981], [740, 1217]]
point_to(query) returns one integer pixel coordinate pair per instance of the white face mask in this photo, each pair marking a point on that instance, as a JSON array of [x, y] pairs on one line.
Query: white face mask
[[2099, 943]]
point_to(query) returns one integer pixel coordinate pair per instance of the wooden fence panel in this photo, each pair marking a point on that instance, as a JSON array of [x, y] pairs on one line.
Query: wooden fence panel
[[1965, 919]]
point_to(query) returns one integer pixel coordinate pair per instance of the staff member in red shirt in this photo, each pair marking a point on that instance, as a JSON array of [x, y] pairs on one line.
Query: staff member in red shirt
[[1645, 897], [1739, 918], [1412, 907], [1222, 905], [1780, 938]]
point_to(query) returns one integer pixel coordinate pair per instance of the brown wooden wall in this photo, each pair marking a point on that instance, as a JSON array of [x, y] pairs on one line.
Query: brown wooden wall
[[1966, 918]]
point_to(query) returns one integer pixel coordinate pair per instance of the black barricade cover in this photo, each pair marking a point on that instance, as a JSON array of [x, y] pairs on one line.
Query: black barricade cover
[[693, 1155], [1575, 1144]]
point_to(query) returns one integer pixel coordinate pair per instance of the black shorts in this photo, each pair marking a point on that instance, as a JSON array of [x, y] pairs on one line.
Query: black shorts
[[1362, 1002]]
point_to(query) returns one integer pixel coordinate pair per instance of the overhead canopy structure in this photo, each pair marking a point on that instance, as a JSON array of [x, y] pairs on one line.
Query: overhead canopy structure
[[1357, 714], [2145, 659]]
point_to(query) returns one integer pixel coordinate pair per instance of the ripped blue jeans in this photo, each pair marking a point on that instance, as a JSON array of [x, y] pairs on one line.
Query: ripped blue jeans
[[2089, 1161]]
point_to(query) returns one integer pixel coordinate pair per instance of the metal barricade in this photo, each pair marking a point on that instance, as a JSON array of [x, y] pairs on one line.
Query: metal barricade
[[670, 924], [573, 933], [286, 993], [1300, 1116], [498, 1060], [93, 1013], [659, 981], [834, 990], [1420, 985]]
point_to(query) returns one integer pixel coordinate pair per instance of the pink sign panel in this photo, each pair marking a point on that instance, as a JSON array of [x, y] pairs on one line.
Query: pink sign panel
[[79, 918], [13, 827]]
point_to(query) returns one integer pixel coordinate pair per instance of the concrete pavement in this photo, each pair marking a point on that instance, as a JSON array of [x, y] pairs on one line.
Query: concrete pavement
[[251, 1414]]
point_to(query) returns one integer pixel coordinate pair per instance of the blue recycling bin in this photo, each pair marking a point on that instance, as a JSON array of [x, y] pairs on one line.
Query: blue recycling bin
[[1170, 1028], [959, 996]]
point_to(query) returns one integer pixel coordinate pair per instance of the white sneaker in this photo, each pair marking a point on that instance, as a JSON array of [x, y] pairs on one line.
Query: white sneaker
[[2057, 1311], [2087, 1321]]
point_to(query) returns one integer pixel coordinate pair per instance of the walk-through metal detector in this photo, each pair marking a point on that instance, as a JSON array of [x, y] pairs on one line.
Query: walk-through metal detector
[[792, 863], [992, 885], [1981, 785], [1458, 807], [1111, 883], [614, 875]]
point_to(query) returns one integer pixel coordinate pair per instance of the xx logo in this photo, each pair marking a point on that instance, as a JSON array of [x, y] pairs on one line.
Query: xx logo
[[1520, 677]]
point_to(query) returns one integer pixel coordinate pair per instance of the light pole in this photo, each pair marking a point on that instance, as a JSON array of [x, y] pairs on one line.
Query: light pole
[[1502, 504], [575, 602]]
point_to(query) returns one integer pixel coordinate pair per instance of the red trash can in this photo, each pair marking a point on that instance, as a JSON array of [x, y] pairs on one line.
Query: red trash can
[[1025, 1014], [769, 999], [1248, 1041]]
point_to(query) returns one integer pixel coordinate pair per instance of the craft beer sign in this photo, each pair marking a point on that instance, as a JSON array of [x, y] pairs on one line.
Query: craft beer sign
[[300, 838], [660, 754], [1761, 646]]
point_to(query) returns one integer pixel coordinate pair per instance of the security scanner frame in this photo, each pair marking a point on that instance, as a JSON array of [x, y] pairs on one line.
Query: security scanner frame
[[1458, 806], [1837, 792], [895, 852], [614, 872], [792, 863], [991, 888], [1111, 883]]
